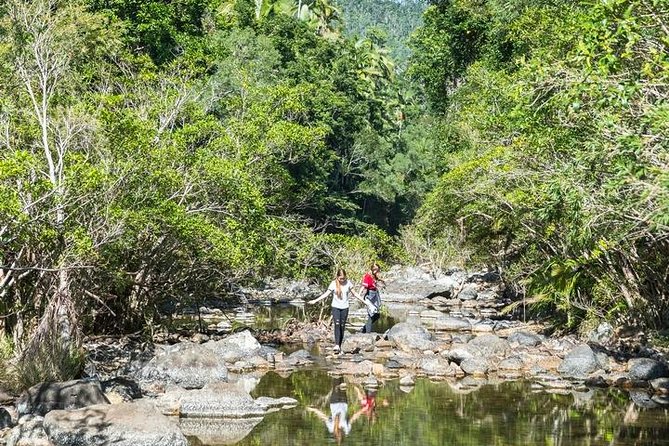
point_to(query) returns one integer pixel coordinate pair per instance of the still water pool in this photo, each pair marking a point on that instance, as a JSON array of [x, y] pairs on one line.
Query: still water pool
[[335, 410]]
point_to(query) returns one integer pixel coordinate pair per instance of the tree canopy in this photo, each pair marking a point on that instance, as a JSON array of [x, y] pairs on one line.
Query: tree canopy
[[556, 139]]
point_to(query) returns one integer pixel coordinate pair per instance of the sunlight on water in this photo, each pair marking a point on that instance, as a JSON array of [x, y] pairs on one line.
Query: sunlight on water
[[511, 413]]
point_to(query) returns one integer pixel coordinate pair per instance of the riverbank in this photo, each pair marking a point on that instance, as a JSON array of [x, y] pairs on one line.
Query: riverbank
[[448, 328]]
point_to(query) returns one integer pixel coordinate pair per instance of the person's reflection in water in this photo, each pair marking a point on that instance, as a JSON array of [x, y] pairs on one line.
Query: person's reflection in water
[[367, 404], [337, 423]]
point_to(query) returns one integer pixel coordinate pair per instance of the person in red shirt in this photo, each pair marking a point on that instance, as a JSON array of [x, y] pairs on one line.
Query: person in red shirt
[[369, 290]]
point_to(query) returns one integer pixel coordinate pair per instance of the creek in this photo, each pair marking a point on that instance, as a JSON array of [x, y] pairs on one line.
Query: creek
[[465, 412]]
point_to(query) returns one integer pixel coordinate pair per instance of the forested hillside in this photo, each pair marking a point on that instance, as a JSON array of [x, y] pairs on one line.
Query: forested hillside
[[392, 21], [556, 125]]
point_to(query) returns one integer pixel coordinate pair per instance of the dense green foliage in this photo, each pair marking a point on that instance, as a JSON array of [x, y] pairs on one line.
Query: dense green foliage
[[156, 153], [555, 125]]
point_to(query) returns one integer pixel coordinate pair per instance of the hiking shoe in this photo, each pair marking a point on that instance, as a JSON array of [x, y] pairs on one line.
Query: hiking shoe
[[336, 349]]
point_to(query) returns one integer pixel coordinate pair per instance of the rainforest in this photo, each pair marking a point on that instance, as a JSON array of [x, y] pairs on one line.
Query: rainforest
[[159, 153]]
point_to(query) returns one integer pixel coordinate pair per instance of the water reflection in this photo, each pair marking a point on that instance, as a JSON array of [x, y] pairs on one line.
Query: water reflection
[[216, 431], [339, 421], [509, 413]]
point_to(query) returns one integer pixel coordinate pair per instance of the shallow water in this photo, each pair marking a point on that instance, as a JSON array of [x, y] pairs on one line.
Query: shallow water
[[275, 316], [443, 413]]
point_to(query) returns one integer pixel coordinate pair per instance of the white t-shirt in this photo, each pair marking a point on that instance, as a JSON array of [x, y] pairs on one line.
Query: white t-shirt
[[337, 302], [338, 409]]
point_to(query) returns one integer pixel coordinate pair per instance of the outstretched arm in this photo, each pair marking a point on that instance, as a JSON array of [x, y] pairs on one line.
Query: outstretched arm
[[318, 413], [356, 415], [319, 298], [357, 295]]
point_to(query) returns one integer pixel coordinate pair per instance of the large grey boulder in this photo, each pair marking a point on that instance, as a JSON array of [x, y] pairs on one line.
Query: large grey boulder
[[491, 345], [460, 352], [359, 342], [579, 362], [525, 338], [125, 424], [642, 399], [475, 366], [408, 337], [44, 397], [219, 400], [412, 284], [468, 292], [447, 323], [236, 347], [188, 365], [646, 369], [215, 400], [435, 366], [121, 389], [514, 363], [296, 359]]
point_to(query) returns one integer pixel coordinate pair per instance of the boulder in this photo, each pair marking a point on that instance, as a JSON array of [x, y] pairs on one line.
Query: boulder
[[446, 323], [475, 366], [219, 400], [468, 292], [298, 358], [514, 363], [435, 366], [642, 399], [460, 352], [490, 345], [408, 337], [603, 334], [358, 342], [362, 368], [45, 397], [525, 338], [660, 384], [407, 380], [646, 369], [579, 362], [188, 365], [236, 347], [125, 424], [121, 388], [30, 433]]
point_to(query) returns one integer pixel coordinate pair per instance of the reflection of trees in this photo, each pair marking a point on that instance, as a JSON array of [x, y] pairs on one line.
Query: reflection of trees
[[511, 413]]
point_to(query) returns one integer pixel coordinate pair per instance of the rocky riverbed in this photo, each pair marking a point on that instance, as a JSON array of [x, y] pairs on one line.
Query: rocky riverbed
[[449, 327]]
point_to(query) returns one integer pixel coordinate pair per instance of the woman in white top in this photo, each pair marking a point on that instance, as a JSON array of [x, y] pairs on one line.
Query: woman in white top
[[339, 289]]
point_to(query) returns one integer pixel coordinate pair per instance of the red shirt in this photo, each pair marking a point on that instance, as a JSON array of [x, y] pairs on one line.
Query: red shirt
[[369, 403], [369, 282]]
